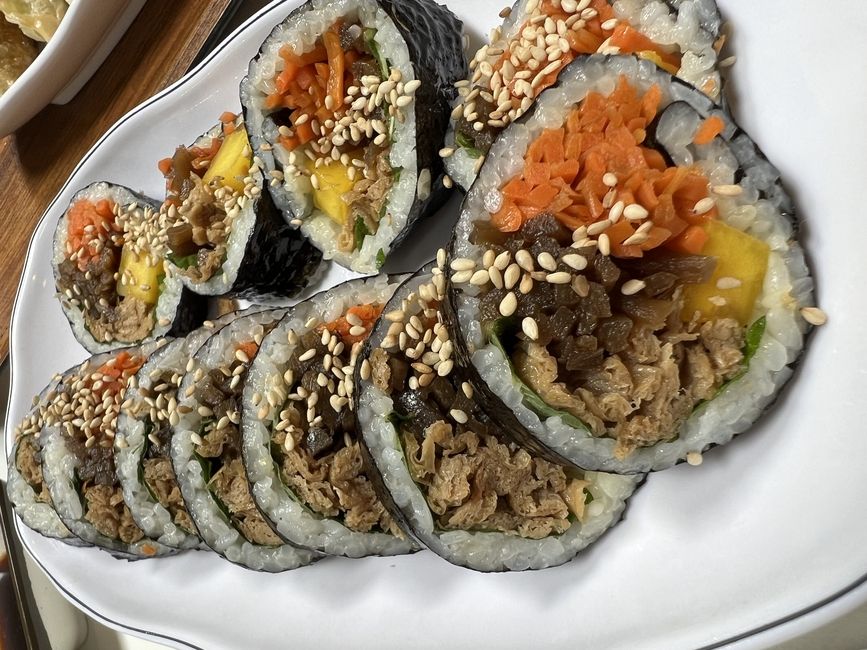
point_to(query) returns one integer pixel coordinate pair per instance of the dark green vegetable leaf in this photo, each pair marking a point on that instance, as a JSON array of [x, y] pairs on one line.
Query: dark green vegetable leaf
[[396, 173], [148, 429], [184, 262], [532, 400], [468, 145], [380, 258], [588, 498], [753, 339], [361, 232]]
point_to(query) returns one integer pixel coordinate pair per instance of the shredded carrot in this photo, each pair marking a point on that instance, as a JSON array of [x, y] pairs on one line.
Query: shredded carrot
[[116, 371], [708, 130], [630, 41], [566, 173], [227, 119], [367, 314], [88, 222]]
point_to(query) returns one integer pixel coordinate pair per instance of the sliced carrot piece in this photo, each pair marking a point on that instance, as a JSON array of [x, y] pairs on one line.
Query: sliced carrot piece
[[516, 188], [708, 130], [690, 242], [508, 218]]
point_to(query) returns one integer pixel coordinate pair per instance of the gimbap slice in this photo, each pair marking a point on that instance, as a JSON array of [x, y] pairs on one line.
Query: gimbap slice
[[25, 484], [206, 450], [300, 435], [448, 471], [141, 444], [218, 227], [347, 104], [624, 277], [78, 463], [111, 283], [539, 38]]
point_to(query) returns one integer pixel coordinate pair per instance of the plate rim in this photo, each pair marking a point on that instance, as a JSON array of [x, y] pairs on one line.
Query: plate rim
[[782, 629]]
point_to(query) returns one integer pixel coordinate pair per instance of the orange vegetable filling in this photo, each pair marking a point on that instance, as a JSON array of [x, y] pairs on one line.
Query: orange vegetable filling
[[89, 222], [367, 314], [312, 84], [116, 372], [566, 169]]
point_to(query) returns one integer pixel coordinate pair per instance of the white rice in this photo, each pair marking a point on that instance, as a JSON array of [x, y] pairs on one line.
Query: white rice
[[292, 519], [787, 286], [37, 515], [169, 299], [690, 25], [482, 551], [294, 196], [215, 529]]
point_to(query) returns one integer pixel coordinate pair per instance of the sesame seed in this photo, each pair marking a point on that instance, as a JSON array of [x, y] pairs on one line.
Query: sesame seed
[[241, 356], [462, 276], [609, 179], [309, 354], [604, 244], [575, 261], [633, 212], [524, 260], [530, 328], [462, 264], [560, 277], [480, 278], [727, 62], [458, 416], [526, 285], [496, 277], [814, 316], [508, 304], [631, 287], [357, 330], [694, 458], [609, 24], [704, 206], [598, 227]]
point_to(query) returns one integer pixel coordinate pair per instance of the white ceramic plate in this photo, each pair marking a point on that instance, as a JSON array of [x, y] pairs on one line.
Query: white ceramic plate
[[88, 32], [765, 531]]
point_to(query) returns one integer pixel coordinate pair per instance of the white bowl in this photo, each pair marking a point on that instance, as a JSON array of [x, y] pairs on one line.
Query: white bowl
[[88, 32]]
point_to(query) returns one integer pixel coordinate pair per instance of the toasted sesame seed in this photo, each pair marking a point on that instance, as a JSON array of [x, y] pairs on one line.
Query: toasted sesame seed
[[575, 261], [704, 206], [508, 304], [609, 179], [467, 389], [480, 278], [634, 212], [727, 62], [462, 264], [496, 277], [524, 260], [547, 261], [309, 354], [357, 330], [530, 328], [631, 287], [814, 316], [560, 277], [461, 276], [459, 416], [441, 258], [598, 227], [604, 244], [241, 356]]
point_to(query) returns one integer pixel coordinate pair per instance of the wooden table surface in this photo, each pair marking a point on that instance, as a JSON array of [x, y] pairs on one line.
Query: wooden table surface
[[162, 42]]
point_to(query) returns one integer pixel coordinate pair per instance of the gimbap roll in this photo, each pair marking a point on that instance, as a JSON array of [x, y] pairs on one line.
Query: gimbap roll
[[77, 446], [110, 280], [625, 282], [347, 104], [539, 38], [206, 449], [218, 226], [300, 436], [449, 472]]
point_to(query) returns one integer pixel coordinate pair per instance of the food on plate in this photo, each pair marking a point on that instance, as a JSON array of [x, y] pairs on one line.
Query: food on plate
[[218, 228], [347, 105], [16, 53], [451, 474], [628, 262], [25, 484], [300, 443], [38, 19], [143, 436], [205, 449], [76, 430], [110, 278], [539, 38]]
